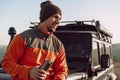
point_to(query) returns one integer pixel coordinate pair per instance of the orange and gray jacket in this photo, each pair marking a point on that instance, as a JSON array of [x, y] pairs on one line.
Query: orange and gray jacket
[[30, 49]]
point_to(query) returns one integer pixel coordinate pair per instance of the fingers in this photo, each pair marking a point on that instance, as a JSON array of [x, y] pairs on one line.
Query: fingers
[[42, 74], [36, 74]]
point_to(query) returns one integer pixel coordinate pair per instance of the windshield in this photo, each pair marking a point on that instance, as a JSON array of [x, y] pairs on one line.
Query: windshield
[[77, 47]]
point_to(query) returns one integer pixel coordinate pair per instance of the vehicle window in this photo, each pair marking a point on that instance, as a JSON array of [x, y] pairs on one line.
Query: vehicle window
[[77, 49], [102, 49], [108, 51], [95, 54]]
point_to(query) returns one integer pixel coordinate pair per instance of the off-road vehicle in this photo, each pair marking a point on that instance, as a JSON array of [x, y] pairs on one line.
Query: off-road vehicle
[[88, 48]]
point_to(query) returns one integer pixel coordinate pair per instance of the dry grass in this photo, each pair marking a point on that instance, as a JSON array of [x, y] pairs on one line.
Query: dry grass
[[117, 69]]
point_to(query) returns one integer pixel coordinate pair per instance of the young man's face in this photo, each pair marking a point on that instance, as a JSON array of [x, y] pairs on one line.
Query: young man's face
[[53, 22]]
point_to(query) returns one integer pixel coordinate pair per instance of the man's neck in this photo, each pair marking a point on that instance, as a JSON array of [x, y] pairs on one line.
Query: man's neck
[[43, 28]]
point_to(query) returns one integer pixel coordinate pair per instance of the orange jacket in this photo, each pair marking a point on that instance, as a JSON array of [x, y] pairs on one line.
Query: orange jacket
[[31, 48]]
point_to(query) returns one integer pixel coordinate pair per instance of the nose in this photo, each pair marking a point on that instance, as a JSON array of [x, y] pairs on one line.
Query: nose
[[57, 19]]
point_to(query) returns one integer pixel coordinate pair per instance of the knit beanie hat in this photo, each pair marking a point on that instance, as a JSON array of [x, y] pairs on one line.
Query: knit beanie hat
[[47, 10]]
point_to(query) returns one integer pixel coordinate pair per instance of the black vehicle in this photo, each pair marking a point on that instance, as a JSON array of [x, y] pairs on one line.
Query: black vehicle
[[88, 50]]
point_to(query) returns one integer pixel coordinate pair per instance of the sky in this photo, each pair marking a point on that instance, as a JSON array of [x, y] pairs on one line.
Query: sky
[[19, 14]]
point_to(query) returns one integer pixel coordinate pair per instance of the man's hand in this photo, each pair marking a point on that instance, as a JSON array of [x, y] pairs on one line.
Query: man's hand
[[37, 74]]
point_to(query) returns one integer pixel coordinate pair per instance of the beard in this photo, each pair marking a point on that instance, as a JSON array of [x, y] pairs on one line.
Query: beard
[[51, 29]]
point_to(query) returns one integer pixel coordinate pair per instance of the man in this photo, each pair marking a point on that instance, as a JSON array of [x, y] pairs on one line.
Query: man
[[29, 49]]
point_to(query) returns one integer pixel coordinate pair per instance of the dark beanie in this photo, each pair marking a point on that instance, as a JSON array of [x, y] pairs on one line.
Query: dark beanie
[[47, 10]]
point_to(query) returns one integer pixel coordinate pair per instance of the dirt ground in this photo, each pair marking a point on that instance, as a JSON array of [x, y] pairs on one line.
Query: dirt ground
[[117, 69]]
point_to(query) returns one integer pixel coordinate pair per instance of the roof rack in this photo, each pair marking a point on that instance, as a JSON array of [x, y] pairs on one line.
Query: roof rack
[[84, 25]]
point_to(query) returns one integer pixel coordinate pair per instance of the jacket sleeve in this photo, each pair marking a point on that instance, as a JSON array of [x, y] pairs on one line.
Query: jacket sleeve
[[60, 66], [10, 62]]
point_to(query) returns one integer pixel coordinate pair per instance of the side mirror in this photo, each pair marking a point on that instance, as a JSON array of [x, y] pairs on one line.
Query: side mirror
[[105, 61]]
